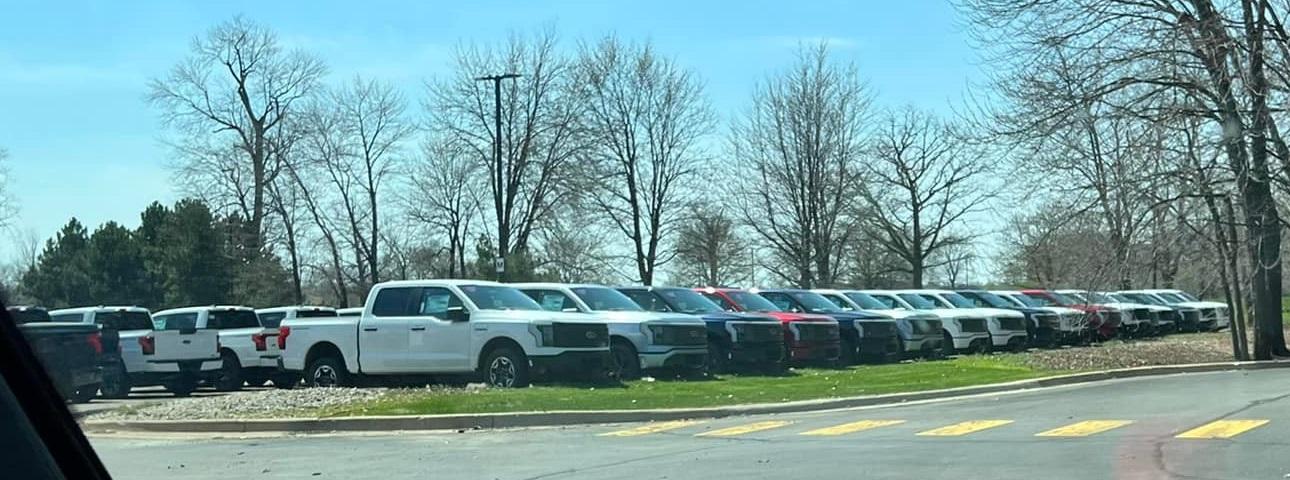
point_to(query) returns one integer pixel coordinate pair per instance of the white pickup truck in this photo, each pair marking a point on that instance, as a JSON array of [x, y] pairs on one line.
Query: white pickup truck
[[135, 355], [963, 330], [1007, 327], [245, 352], [419, 328]]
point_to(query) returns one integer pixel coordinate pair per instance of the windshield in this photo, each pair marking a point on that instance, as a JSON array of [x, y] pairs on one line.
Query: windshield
[[1170, 297], [987, 299], [124, 320], [602, 299], [868, 302], [1026, 300], [1147, 298], [838, 301], [888, 301], [687, 301], [751, 302], [814, 303], [1099, 297], [917, 301], [1075, 296], [957, 300], [491, 297], [1187, 296]]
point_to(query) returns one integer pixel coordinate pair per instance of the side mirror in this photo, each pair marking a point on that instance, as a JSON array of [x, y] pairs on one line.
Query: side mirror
[[458, 314], [569, 310]]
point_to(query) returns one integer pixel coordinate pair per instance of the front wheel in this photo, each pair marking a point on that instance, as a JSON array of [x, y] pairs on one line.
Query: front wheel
[[627, 366], [718, 358], [506, 368], [947, 345]]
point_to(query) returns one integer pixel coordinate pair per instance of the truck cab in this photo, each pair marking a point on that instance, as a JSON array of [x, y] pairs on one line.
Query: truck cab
[[921, 333], [864, 336], [244, 350], [1007, 327], [963, 331], [130, 350], [639, 340], [807, 338], [435, 328]]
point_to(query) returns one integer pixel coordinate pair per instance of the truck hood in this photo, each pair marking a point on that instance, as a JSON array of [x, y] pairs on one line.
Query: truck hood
[[1062, 310], [533, 316], [1134, 306], [651, 317], [993, 312], [866, 315], [789, 317], [738, 317], [905, 314], [949, 313], [1202, 304]]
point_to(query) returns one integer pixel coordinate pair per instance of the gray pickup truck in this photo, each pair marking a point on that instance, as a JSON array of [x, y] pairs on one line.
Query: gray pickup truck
[[70, 351]]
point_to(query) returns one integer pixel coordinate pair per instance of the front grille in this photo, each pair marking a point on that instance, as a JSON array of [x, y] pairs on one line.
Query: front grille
[[1049, 320], [684, 335], [1209, 315], [579, 335], [1076, 320], [872, 329], [972, 325], [758, 332], [1191, 316], [1169, 316], [924, 326], [817, 332], [1142, 314], [1112, 318], [1012, 323]]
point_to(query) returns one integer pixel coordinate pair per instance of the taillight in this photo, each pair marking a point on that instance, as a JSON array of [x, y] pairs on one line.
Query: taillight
[[283, 332], [96, 342], [260, 344], [148, 345]]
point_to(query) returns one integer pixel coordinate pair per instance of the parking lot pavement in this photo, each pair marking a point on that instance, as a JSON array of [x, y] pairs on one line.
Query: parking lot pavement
[[138, 396], [1211, 425]]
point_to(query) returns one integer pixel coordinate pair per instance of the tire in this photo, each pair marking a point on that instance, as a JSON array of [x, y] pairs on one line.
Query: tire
[[504, 367], [85, 393], [229, 378], [182, 387], [982, 347], [850, 352], [947, 345], [326, 372], [718, 357], [627, 365], [285, 381], [116, 381]]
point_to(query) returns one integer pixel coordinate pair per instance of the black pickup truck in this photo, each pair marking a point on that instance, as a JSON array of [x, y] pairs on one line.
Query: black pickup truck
[[70, 351]]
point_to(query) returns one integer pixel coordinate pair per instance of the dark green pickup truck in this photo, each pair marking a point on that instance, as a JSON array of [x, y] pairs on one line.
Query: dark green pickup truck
[[70, 351]]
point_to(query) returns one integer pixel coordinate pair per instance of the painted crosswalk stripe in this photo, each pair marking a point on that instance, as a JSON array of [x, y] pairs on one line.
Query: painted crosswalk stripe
[[853, 427], [651, 428], [964, 428], [1223, 429], [742, 429], [1084, 429]]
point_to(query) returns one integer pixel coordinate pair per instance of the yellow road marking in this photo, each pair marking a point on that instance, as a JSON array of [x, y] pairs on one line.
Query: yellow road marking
[[651, 428], [1222, 429], [853, 427], [742, 429], [1084, 429], [964, 428]]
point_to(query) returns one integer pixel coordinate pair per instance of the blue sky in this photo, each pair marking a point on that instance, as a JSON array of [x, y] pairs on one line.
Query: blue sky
[[84, 143]]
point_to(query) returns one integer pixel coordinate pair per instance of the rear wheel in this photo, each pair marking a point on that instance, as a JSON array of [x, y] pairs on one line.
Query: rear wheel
[[229, 377], [326, 372], [506, 368], [850, 352], [116, 382], [627, 365]]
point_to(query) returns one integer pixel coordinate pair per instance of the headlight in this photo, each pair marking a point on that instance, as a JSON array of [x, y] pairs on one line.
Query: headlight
[[543, 333]]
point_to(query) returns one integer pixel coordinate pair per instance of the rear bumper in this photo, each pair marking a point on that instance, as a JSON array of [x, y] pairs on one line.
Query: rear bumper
[[689, 357], [571, 363], [757, 353]]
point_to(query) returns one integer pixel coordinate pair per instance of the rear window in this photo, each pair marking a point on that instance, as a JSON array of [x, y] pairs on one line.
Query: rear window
[[272, 320], [228, 319], [178, 321], [29, 316], [315, 313], [124, 320], [67, 318]]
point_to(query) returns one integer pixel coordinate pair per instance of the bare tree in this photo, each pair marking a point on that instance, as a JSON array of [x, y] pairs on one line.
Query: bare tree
[[646, 117], [539, 135], [797, 171], [228, 97], [443, 193], [710, 251], [8, 206], [924, 182]]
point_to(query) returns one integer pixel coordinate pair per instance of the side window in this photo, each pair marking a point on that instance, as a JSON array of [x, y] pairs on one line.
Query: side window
[[67, 318], [782, 301], [647, 300], [720, 300], [392, 302], [177, 321], [435, 302], [551, 300]]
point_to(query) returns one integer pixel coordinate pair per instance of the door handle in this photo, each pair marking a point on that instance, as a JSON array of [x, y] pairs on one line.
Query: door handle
[[418, 329], [369, 329]]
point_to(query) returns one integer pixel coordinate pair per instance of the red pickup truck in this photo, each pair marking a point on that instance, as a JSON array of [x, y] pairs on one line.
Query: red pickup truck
[[1103, 321], [808, 338]]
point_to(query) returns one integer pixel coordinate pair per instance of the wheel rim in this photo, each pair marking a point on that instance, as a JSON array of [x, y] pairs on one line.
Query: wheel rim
[[501, 372], [325, 376]]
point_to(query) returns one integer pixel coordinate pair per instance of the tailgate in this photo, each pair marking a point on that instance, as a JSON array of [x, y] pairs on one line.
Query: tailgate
[[185, 345]]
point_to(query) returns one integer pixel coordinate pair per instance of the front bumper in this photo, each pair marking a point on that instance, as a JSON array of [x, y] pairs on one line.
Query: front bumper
[[689, 357], [964, 341], [1004, 338], [881, 347], [814, 351], [757, 353], [571, 363]]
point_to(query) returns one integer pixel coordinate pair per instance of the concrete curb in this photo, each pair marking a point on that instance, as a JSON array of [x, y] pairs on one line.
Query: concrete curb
[[534, 419]]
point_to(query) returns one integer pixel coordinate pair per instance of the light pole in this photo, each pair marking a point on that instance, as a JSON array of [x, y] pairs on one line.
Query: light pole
[[502, 227]]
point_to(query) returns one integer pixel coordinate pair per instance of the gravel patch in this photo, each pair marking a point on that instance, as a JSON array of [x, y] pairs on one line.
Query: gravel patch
[[250, 404], [1171, 350]]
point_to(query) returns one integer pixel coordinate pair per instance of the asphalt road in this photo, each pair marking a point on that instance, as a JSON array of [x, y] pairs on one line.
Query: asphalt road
[[1193, 426]]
